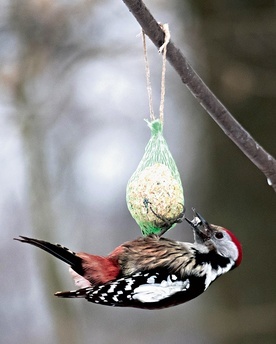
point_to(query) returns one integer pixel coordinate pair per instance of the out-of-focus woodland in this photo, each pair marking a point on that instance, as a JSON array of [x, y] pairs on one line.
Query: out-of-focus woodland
[[72, 103]]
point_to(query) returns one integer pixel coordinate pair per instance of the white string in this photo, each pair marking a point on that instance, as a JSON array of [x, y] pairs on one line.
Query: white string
[[149, 88], [162, 49]]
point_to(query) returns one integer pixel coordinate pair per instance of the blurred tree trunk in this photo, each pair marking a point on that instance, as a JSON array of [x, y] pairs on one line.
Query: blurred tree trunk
[[42, 216], [38, 33]]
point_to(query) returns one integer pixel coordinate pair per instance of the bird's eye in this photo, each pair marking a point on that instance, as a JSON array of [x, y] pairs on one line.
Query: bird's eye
[[219, 235]]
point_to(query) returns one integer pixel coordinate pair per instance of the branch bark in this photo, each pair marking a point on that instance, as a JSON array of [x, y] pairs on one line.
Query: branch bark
[[231, 127]]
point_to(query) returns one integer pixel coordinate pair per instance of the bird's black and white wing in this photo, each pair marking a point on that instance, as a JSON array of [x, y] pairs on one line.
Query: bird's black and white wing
[[144, 289]]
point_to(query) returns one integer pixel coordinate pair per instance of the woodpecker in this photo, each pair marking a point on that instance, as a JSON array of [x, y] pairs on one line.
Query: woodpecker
[[150, 272]]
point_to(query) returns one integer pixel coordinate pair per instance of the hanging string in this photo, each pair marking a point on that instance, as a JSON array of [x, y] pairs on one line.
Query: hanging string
[[162, 49], [149, 89]]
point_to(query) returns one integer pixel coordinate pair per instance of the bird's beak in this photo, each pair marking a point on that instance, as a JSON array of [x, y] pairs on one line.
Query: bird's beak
[[200, 226]]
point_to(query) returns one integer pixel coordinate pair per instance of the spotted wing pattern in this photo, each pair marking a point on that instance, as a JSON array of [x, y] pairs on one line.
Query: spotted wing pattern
[[143, 289]]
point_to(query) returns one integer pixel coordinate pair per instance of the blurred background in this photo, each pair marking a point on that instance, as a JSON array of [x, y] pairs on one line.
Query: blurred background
[[72, 103]]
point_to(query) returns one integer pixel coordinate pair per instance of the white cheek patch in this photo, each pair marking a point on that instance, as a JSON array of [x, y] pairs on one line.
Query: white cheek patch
[[154, 292], [212, 274]]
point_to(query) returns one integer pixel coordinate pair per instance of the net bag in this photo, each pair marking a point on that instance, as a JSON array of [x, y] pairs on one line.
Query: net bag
[[154, 193]]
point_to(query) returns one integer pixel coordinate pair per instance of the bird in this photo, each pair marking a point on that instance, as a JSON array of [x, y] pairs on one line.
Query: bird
[[150, 272]]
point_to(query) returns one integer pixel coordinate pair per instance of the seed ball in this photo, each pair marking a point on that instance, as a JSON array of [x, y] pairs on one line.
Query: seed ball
[[155, 191]]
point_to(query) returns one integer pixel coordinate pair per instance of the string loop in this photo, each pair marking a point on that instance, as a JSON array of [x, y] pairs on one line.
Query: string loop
[[162, 49]]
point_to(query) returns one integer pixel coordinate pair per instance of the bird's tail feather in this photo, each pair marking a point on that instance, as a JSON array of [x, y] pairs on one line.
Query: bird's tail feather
[[80, 293], [56, 250]]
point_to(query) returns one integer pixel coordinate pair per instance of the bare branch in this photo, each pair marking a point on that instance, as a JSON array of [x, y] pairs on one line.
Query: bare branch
[[232, 128]]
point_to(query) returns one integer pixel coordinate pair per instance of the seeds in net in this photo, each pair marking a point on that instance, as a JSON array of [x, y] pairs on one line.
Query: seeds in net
[[155, 191]]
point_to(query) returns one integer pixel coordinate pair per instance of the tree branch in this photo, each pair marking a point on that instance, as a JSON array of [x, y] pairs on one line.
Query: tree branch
[[232, 128]]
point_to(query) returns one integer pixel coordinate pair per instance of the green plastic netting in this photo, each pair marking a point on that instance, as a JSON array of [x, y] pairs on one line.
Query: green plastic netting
[[154, 193]]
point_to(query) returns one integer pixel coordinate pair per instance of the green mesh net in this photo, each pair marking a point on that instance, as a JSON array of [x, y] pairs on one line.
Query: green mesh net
[[154, 192]]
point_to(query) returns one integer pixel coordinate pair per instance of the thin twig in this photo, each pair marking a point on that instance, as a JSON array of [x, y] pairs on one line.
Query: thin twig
[[231, 127]]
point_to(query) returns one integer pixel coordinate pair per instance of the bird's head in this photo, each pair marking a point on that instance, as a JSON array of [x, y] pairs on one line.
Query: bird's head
[[217, 238]]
